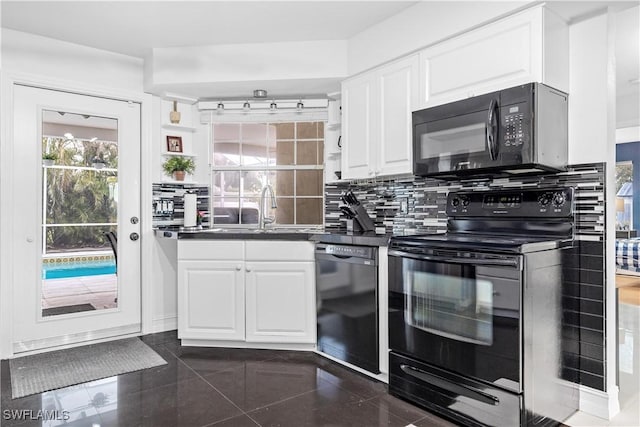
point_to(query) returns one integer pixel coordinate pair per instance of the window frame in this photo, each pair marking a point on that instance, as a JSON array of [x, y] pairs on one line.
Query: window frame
[[266, 168]]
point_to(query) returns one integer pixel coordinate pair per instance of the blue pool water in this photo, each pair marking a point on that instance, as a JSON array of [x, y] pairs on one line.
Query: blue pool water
[[77, 270]]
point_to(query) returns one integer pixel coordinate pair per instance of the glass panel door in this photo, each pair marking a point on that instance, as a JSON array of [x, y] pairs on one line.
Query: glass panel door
[[80, 210]]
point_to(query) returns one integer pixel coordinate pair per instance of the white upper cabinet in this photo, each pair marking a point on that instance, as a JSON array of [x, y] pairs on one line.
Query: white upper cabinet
[[530, 46], [357, 123], [376, 109], [397, 86]]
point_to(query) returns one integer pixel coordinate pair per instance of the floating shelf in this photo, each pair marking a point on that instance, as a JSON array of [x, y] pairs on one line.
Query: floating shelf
[[169, 153], [171, 181], [179, 128]]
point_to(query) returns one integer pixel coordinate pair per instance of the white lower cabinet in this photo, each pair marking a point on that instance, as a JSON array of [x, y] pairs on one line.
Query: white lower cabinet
[[264, 294], [280, 304], [211, 300]]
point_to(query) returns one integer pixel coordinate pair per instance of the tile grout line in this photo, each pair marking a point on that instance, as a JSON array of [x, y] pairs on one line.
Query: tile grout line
[[203, 379]]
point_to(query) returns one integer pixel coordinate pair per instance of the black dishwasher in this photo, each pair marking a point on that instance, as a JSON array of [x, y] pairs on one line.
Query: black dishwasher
[[347, 303]]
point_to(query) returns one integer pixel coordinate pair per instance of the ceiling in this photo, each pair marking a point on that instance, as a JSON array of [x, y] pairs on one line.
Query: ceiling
[[135, 27]]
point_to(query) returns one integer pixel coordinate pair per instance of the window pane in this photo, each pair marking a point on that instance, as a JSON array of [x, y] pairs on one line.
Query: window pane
[[77, 238], [76, 152], [285, 131], [226, 154], [284, 183], [308, 211], [282, 153], [226, 210], [226, 184], [307, 130], [226, 132], [250, 210], [253, 182], [308, 183], [254, 144], [284, 212], [77, 196], [307, 153], [624, 196]]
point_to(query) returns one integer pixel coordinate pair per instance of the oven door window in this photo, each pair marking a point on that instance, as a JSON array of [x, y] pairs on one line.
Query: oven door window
[[453, 306]]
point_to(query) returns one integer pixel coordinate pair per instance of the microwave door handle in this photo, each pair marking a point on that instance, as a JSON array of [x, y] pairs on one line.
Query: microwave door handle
[[491, 130], [509, 262]]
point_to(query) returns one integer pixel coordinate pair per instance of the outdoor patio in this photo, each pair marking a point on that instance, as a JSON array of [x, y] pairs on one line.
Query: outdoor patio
[[100, 291]]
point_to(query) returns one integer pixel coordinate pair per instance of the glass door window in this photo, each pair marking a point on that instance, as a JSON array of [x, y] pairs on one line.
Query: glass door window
[[80, 206]]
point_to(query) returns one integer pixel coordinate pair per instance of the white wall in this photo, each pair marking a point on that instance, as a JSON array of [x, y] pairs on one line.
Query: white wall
[[592, 110], [419, 26], [28, 53], [219, 69]]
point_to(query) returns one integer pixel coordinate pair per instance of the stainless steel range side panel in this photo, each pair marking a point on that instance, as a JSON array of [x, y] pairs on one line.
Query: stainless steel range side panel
[[546, 394], [551, 126]]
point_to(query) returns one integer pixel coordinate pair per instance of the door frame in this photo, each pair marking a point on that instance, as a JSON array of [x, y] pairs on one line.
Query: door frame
[[7, 82]]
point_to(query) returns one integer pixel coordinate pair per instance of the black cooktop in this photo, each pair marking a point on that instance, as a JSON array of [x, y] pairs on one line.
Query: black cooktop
[[479, 241]]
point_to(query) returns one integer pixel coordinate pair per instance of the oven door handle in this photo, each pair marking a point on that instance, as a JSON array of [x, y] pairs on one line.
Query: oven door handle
[[509, 262], [460, 389]]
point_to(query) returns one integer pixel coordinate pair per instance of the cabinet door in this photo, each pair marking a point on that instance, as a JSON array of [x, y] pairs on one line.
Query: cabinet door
[[211, 300], [502, 54], [397, 86], [357, 120], [280, 302]]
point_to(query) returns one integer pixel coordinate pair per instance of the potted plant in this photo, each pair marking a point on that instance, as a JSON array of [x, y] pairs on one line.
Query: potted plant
[[178, 167], [48, 159]]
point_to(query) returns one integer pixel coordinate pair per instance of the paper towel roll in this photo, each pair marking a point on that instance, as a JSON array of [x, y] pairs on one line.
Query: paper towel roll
[[190, 209]]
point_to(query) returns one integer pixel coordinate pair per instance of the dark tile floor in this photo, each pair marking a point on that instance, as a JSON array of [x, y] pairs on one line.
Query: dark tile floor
[[221, 387]]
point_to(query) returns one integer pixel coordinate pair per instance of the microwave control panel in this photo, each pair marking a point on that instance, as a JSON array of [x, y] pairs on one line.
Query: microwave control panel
[[514, 126]]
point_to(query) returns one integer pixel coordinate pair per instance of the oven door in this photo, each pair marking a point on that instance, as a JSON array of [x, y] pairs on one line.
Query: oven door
[[458, 311]]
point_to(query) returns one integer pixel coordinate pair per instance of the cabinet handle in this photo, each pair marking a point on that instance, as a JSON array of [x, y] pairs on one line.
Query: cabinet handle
[[248, 270], [238, 267], [370, 172], [378, 172]]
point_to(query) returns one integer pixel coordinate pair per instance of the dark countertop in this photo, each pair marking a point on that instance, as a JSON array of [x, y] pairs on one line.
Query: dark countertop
[[365, 239]]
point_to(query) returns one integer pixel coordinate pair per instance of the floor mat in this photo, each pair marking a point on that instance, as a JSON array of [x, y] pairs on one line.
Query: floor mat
[[62, 368], [66, 309]]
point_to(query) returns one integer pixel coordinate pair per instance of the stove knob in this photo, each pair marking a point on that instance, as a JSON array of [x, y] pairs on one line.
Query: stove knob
[[545, 199], [455, 202], [559, 199], [465, 201]]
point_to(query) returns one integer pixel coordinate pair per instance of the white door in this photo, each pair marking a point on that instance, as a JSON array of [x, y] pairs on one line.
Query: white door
[[211, 300], [60, 214], [357, 123], [398, 88], [280, 300]]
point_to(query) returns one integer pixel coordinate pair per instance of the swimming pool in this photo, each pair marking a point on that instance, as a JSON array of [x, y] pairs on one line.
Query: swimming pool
[[66, 270]]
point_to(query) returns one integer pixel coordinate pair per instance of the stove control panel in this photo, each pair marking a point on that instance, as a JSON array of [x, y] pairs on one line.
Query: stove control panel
[[523, 203]]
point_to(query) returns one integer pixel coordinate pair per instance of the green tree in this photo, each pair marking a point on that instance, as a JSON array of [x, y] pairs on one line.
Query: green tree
[[79, 196]]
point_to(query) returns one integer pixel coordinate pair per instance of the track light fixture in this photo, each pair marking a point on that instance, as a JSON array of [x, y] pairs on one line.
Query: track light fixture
[[273, 106], [299, 106], [246, 106]]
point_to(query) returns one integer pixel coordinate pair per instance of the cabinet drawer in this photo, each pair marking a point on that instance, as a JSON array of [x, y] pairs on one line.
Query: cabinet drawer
[[269, 250], [220, 250]]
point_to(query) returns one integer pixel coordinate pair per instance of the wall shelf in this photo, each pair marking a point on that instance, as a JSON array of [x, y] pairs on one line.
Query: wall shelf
[[178, 128], [168, 153]]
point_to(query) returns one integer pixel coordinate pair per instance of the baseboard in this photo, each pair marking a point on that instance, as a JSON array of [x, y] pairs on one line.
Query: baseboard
[[599, 403], [168, 323]]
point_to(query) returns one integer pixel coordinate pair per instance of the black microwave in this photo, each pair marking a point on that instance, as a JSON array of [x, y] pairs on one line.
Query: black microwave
[[522, 129]]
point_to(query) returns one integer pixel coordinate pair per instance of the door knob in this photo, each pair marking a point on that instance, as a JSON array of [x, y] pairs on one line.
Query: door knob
[[134, 220], [134, 236]]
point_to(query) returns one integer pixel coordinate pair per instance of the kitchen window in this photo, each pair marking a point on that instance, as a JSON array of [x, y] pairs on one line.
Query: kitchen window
[[286, 155]]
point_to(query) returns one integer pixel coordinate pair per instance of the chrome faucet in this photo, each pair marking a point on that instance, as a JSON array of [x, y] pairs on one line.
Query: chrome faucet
[[262, 221]]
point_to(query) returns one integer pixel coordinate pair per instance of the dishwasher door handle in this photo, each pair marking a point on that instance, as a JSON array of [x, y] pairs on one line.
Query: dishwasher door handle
[[345, 258]]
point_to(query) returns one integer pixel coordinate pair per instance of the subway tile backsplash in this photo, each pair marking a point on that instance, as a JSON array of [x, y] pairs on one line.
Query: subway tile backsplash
[[417, 206]]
